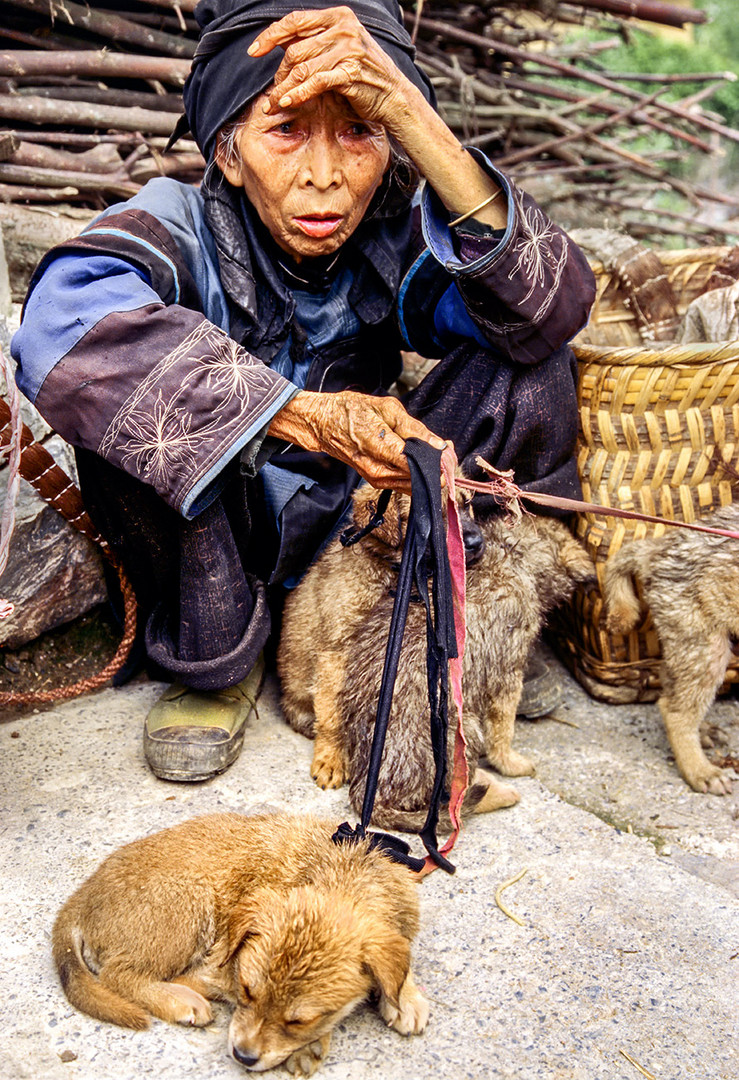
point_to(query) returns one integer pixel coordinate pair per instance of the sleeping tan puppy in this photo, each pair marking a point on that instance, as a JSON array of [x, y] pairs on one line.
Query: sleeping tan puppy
[[264, 912]]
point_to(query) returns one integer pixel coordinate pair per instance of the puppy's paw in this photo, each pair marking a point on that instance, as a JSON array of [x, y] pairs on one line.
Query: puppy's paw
[[511, 763], [712, 735], [305, 1061], [489, 794], [329, 768], [719, 784], [187, 1006], [709, 779], [411, 1014]]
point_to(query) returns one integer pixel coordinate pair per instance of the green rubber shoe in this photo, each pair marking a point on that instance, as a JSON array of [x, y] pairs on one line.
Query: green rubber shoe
[[542, 691], [194, 734]]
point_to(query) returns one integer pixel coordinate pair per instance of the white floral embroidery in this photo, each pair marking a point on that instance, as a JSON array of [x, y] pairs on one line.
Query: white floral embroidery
[[160, 441], [185, 414], [534, 250], [537, 260], [231, 372]]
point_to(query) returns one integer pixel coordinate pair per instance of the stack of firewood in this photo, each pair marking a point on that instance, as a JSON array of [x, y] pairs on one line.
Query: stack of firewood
[[89, 96]]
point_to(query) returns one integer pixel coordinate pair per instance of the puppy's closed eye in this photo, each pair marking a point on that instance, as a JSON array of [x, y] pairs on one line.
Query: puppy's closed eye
[[304, 1019]]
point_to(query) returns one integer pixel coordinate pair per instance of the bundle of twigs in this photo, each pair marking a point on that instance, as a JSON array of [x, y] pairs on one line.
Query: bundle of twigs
[[566, 128], [89, 95]]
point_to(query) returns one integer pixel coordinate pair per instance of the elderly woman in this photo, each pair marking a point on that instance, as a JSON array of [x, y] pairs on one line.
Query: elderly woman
[[220, 356]]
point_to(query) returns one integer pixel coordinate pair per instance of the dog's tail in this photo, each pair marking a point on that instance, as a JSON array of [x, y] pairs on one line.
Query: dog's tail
[[485, 793], [623, 607], [82, 987]]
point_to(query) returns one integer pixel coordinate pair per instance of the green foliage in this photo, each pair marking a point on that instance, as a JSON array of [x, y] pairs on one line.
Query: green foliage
[[716, 48]]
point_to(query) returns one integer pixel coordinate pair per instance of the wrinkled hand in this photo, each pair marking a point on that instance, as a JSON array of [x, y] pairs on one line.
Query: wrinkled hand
[[365, 432], [331, 51]]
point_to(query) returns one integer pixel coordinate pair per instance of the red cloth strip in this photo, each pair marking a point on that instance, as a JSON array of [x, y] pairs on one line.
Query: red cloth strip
[[455, 547]]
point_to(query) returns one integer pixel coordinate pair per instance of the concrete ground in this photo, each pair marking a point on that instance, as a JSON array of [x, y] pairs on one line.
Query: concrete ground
[[626, 965]]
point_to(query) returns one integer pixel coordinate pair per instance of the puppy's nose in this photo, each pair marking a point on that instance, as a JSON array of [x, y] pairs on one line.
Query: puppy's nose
[[245, 1058], [474, 545]]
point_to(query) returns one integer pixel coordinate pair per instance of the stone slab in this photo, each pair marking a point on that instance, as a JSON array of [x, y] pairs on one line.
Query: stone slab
[[623, 950]]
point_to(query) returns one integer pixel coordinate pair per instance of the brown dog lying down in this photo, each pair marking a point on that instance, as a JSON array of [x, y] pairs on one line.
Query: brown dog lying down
[[323, 612], [264, 912], [690, 581], [527, 569]]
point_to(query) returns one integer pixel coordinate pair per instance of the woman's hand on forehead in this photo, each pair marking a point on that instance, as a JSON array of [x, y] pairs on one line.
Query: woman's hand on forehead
[[330, 51]]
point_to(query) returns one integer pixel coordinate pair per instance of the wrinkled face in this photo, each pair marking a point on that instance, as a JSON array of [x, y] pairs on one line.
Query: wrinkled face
[[310, 172]]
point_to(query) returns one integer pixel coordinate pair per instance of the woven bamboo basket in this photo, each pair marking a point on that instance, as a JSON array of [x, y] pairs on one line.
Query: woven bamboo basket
[[658, 427]]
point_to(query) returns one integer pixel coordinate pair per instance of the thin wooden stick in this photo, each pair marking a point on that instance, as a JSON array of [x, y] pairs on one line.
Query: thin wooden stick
[[493, 45], [652, 10], [580, 133], [108, 25], [635, 1063], [38, 110], [499, 902]]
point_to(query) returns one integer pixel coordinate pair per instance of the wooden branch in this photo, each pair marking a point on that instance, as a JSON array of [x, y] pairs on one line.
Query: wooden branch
[[62, 178], [492, 45], [651, 10], [107, 25], [14, 194], [77, 138], [543, 89], [166, 165], [679, 77], [94, 94], [38, 110], [48, 41], [99, 159], [8, 145], [580, 133], [94, 64]]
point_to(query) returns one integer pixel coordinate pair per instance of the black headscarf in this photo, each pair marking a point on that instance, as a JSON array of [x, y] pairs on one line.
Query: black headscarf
[[224, 78]]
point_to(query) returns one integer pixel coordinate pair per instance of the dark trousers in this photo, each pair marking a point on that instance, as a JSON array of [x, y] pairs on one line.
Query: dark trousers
[[201, 585]]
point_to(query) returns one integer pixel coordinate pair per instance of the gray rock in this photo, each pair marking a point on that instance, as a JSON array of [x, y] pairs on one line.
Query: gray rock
[[54, 574]]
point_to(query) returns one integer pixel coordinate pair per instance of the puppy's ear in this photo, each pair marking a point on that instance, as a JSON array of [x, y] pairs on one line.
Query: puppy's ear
[[387, 955], [246, 919], [365, 504]]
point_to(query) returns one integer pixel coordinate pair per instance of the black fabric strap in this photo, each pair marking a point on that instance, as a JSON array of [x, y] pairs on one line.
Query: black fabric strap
[[353, 534], [424, 554]]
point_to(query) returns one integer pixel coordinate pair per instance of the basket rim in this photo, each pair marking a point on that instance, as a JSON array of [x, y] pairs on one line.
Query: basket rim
[[672, 257], [695, 354]]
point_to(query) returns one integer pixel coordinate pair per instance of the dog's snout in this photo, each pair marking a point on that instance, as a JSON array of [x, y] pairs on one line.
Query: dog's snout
[[244, 1057], [474, 543]]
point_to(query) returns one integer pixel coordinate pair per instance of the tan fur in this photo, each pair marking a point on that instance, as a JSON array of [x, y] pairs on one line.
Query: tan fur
[[322, 614], [690, 582], [332, 653], [526, 569], [264, 912]]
